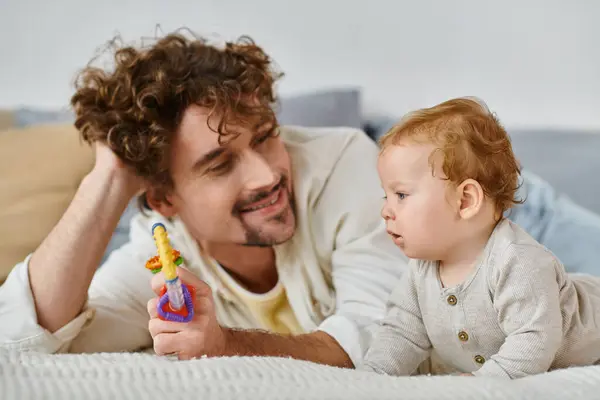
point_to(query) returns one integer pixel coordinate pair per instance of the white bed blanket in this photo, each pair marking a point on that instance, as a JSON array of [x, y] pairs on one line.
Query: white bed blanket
[[147, 377]]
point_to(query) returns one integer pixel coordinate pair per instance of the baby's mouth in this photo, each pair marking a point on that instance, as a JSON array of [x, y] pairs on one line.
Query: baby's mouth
[[393, 235]]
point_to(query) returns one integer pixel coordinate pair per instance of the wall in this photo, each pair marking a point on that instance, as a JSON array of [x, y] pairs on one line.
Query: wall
[[536, 63]]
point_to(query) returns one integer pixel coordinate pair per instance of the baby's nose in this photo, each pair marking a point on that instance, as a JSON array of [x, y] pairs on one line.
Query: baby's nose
[[387, 213]]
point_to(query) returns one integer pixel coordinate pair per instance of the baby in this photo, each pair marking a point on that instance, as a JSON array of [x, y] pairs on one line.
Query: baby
[[480, 293]]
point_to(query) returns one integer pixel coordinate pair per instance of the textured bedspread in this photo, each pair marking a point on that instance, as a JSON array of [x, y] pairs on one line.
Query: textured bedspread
[[147, 377]]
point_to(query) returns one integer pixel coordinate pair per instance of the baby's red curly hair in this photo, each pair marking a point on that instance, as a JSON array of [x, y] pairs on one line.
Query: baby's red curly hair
[[472, 142]]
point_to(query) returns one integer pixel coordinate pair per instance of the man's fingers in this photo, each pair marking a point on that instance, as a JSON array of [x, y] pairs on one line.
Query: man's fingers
[[166, 343], [157, 283], [202, 305], [151, 307], [158, 326], [185, 357]]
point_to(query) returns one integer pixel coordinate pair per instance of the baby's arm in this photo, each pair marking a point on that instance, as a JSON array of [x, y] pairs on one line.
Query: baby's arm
[[526, 296], [400, 342]]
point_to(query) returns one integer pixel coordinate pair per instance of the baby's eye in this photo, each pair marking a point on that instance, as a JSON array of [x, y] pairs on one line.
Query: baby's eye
[[401, 196]]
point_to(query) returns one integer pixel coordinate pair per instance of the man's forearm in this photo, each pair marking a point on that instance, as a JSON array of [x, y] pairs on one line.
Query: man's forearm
[[61, 269], [317, 347]]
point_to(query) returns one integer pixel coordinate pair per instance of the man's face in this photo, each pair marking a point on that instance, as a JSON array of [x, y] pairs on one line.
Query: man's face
[[238, 192]]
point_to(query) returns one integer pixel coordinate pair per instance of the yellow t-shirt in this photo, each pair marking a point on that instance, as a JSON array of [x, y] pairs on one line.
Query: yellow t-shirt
[[272, 310]]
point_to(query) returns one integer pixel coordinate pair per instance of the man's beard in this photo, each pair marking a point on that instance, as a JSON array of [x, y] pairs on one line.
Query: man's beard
[[255, 236]]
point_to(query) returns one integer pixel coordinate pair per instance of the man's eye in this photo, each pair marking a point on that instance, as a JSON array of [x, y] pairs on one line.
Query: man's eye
[[220, 168], [263, 138], [266, 136]]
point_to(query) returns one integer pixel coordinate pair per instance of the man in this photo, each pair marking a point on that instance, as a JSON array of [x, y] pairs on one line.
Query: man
[[279, 226]]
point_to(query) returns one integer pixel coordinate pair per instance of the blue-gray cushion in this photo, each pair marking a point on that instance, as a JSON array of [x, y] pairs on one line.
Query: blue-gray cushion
[[31, 116], [336, 107], [568, 160]]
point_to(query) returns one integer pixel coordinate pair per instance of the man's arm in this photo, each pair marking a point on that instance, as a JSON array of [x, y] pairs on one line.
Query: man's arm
[[61, 269], [317, 347]]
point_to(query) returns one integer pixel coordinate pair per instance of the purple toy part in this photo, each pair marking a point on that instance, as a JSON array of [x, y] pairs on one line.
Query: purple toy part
[[169, 316]]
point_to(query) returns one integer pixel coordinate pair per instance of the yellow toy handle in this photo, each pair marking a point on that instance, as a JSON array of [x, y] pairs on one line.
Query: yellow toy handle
[[176, 301], [165, 252]]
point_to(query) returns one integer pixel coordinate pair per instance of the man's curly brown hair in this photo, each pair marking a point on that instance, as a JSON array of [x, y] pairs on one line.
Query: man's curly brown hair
[[137, 107]]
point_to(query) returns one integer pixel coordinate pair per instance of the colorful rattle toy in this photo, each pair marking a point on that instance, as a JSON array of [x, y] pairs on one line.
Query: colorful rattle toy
[[176, 299]]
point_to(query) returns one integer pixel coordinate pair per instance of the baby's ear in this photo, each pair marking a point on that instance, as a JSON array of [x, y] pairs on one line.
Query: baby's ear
[[471, 198]]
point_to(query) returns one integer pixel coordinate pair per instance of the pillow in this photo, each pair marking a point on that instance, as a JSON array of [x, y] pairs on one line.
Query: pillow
[[329, 108], [567, 159], [31, 116], [7, 119], [41, 168], [377, 126]]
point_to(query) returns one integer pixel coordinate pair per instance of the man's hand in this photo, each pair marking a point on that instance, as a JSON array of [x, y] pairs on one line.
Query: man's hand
[[201, 336], [204, 336], [108, 163]]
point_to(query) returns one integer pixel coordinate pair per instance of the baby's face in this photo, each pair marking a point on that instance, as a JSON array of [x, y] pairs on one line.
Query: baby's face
[[420, 209]]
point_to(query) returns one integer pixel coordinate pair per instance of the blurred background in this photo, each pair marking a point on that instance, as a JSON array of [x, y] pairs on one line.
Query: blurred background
[[363, 64], [537, 63]]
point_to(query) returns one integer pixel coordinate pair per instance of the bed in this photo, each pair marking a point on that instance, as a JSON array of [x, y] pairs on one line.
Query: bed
[[148, 377]]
